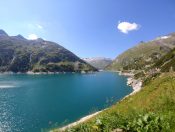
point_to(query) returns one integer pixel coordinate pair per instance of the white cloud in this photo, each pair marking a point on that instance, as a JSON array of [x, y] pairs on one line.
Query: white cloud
[[35, 26], [125, 27], [39, 26], [32, 37]]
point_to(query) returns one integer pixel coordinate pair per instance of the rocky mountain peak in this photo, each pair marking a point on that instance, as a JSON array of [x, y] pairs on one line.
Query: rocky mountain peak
[[3, 33], [19, 36]]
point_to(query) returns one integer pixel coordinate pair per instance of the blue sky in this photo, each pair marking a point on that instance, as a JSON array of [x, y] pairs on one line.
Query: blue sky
[[89, 28]]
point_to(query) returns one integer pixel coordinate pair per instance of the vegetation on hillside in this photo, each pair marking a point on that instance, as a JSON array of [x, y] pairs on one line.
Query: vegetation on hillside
[[18, 54], [143, 55], [167, 62]]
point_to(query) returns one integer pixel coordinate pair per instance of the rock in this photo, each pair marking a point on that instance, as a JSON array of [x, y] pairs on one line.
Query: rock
[[118, 130], [135, 84], [83, 72]]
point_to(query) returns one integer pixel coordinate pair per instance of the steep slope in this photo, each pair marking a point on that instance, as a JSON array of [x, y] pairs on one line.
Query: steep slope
[[18, 54], [144, 54], [167, 62], [98, 62]]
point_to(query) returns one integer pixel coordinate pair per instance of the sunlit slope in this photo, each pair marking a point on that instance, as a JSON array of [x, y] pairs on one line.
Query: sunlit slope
[[144, 54]]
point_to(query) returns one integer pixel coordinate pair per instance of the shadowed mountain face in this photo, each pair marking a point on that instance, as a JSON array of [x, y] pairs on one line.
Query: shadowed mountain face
[[98, 62], [18, 54], [144, 55]]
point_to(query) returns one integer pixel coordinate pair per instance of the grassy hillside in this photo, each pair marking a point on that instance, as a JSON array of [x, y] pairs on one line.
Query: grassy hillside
[[18, 54], [144, 54], [150, 110]]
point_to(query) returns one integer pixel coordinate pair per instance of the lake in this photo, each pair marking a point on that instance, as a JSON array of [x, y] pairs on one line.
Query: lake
[[34, 103]]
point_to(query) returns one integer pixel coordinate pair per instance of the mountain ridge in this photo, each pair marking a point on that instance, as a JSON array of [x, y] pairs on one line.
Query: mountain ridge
[[144, 53], [18, 54]]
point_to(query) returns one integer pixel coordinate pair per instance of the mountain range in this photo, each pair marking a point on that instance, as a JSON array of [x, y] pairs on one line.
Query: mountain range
[[98, 62], [18, 54]]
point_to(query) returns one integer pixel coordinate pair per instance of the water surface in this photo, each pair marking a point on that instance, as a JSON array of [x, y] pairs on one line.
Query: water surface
[[32, 103]]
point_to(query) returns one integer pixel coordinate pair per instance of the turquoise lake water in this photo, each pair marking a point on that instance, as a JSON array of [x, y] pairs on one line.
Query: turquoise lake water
[[34, 103]]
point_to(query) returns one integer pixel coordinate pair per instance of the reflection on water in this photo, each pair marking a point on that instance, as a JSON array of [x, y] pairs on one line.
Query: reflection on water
[[29, 103]]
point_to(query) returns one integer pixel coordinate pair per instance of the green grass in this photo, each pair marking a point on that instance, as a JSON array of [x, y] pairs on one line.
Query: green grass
[[151, 109]]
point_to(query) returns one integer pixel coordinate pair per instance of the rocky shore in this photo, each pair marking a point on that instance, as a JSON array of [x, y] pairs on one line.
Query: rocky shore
[[128, 74], [135, 84]]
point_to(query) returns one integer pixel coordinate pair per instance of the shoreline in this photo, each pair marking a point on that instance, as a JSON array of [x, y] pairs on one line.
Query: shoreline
[[81, 120], [43, 73], [136, 86]]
